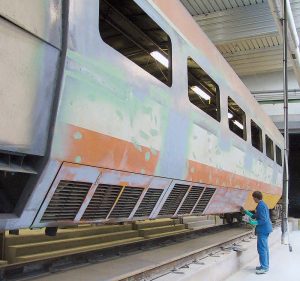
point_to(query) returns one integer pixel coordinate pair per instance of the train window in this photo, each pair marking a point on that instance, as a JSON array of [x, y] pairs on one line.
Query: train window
[[278, 156], [202, 90], [124, 26], [236, 119], [256, 136], [269, 148]]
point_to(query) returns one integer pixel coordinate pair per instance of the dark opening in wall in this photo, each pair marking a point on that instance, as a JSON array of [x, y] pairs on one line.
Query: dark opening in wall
[[236, 119], [278, 156], [256, 136], [269, 148], [294, 175], [203, 91], [128, 29], [16, 169]]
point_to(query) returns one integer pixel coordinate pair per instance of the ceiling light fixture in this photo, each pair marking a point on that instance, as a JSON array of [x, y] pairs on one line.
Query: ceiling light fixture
[[238, 124], [200, 93], [160, 58]]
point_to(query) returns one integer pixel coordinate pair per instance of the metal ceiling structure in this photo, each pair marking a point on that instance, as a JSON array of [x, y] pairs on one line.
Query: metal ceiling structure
[[244, 31], [247, 33]]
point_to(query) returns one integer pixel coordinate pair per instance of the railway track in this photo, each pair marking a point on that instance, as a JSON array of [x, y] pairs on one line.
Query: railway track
[[33, 269]]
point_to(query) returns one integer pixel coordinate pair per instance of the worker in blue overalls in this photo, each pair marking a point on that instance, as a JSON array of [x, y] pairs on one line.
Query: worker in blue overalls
[[263, 224]]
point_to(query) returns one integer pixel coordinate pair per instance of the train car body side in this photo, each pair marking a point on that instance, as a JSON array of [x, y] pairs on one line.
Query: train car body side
[[126, 146]]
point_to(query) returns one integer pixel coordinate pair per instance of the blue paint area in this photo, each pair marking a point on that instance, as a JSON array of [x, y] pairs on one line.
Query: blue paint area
[[248, 160], [274, 174], [224, 142], [173, 156]]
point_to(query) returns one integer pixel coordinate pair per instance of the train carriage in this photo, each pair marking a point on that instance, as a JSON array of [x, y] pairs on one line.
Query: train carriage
[[124, 110]]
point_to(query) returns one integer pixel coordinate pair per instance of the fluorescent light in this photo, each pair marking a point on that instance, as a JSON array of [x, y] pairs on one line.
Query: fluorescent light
[[238, 124], [199, 92], [159, 57], [230, 115]]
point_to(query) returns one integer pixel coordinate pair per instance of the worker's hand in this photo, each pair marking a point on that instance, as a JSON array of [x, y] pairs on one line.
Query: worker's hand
[[253, 222], [242, 210]]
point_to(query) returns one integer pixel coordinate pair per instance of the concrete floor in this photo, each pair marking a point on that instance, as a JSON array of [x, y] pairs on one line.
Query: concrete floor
[[122, 267], [284, 265], [223, 266]]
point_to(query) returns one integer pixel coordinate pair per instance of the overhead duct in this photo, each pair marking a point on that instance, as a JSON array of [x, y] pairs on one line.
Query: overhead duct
[[293, 39]]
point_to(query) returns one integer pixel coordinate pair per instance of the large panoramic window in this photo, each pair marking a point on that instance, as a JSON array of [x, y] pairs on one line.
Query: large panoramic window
[[278, 156], [202, 90], [236, 119], [256, 136], [128, 29], [269, 148]]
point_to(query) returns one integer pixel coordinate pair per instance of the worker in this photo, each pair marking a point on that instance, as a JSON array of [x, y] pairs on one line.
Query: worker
[[263, 227]]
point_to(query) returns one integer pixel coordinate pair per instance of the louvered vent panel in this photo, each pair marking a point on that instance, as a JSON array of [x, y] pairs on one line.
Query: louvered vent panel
[[149, 201], [102, 202], [190, 200], [127, 202], [66, 201], [174, 199], [205, 198]]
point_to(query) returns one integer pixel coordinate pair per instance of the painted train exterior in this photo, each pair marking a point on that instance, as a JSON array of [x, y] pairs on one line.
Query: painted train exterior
[[89, 136]]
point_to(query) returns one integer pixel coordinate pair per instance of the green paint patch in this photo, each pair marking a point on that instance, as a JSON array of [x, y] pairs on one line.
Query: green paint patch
[[77, 136], [143, 171], [77, 159], [147, 109], [144, 135], [136, 145], [153, 132], [147, 156], [192, 170], [120, 115], [160, 95], [153, 151], [95, 65]]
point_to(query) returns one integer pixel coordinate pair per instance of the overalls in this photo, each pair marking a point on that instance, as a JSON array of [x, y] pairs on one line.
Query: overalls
[[263, 229]]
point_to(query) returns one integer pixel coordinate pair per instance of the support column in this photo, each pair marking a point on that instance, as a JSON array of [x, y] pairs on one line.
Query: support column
[[2, 240]]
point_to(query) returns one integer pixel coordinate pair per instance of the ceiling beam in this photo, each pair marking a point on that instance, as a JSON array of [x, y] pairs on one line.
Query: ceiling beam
[[241, 22]]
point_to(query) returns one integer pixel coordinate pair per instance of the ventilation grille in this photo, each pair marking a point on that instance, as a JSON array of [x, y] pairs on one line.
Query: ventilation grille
[[66, 201], [15, 162], [174, 199], [149, 201], [102, 202], [190, 200], [126, 202], [205, 198]]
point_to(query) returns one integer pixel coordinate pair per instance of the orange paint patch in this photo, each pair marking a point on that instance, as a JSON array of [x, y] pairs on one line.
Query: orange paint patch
[[96, 149], [216, 177]]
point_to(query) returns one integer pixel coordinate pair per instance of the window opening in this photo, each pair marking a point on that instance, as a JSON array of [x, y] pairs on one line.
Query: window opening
[[236, 119], [203, 91], [269, 148], [278, 156], [256, 136], [124, 26]]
